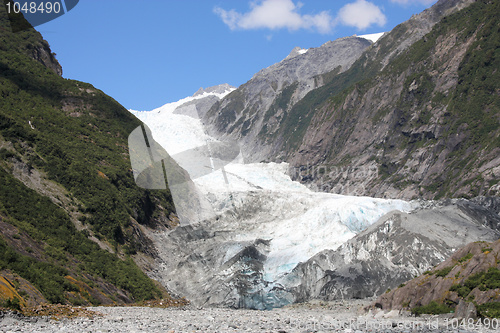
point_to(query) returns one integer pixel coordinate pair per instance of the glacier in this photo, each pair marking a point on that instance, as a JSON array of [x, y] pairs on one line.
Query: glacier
[[254, 205]]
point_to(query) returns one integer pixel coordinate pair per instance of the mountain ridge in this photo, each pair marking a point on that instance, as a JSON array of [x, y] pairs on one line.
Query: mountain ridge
[[239, 115], [394, 108]]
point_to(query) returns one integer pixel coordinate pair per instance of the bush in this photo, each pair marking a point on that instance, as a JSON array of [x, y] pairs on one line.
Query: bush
[[13, 304], [432, 308], [465, 258], [482, 280], [443, 272], [490, 309]]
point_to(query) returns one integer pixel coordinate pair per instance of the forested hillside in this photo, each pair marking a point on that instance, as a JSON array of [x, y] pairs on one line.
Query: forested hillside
[[71, 216]]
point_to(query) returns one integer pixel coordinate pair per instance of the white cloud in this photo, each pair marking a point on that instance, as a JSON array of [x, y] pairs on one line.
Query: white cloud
[[361, 14], [406, 2], [275, 14]]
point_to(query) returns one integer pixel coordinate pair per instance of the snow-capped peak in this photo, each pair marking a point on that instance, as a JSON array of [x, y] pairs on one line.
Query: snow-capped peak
[[296, 51], [372, 37]]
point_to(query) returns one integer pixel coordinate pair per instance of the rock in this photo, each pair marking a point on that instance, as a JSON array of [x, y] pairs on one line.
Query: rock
[[435, 284], [465, 310]]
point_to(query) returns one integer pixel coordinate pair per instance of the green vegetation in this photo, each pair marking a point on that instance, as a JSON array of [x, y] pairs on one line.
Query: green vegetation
[[490, 309], [476, 101], [470, 108], [76, 136], [483, 280], [13, 304], [88, 153], [473, 104], [280, 104], [479, 282], [465, 258], [432, 308], [42, 220], [443, 272]]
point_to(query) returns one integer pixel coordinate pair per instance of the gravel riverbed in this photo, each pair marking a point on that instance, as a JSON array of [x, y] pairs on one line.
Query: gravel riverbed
[[310, 317]]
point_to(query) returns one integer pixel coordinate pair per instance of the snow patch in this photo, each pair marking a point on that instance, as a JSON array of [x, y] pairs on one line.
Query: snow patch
[[372, 37]]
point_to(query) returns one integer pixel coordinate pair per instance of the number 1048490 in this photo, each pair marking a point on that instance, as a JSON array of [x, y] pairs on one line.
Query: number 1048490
[[33, 7]]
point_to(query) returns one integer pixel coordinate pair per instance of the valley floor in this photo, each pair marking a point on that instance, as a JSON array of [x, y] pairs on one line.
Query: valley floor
[[346, 316]]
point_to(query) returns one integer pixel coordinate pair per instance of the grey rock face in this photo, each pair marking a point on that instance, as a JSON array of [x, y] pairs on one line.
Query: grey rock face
[[397, 248], [383, 124], [418, 26], [465, 310], [242, 114], [218, 89], [44, 55], [393, 125]]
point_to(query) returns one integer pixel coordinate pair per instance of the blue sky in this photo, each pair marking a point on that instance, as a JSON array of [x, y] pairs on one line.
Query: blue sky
[[150, 52]]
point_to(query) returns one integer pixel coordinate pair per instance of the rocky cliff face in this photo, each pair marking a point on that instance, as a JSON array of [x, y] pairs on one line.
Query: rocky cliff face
[[26, 42], [420, 122], [43, 54], [415, 116], [467, 279], [261, 102]]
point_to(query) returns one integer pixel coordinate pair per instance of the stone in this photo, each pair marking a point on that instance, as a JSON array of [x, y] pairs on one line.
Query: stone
[[465, 310]]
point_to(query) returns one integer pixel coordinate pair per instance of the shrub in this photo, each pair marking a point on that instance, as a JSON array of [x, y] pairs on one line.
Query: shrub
[[490, 309], [13, 304], [465, 258], [443, 272], [431, 308]]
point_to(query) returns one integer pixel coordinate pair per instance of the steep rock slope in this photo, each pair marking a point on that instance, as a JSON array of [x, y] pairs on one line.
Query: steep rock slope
[[428, 123], [470, 275], [417, 115], [259, 104], [71, 215], [393, 250]]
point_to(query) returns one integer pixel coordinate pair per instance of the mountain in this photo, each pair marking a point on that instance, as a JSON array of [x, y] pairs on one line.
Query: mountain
[[468, 282], [260, 103], [350, 114], [412, 115], [261, 240], [72, 220], [419, 107]]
